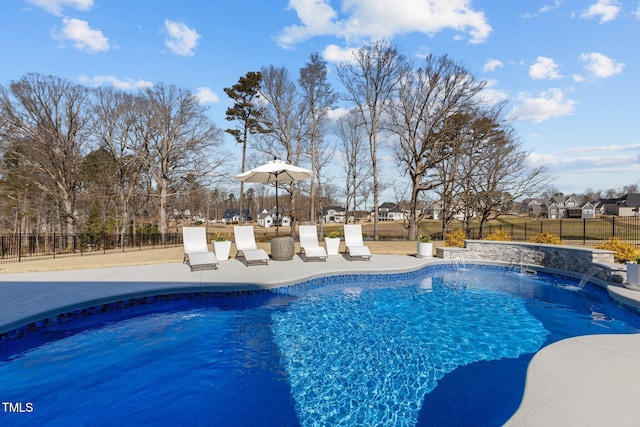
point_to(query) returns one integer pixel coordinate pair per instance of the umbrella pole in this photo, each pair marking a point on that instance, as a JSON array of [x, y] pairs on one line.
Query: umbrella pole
[[277, 213]]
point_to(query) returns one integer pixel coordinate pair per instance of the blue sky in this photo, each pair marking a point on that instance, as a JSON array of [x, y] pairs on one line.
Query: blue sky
[[569, 69]]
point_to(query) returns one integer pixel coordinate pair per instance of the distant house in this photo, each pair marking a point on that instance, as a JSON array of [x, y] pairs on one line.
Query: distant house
[[570, 207], [232, 216], [267, 219], [588, 211], [390, 212], [627, 205], [536, 208], [609, 206], [436, 211], [334, 214]]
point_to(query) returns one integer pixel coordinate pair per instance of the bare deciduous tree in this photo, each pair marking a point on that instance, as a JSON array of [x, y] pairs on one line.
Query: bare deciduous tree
[[282, 116], [319, 97], [500, 172], [356, 165], [45, 133], [426, 119], [113, 128], [488, 171], [176, 139], [371, 82]]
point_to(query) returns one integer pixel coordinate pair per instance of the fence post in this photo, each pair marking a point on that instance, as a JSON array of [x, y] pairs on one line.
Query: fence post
[[613, 226], [584, 231], [560, 230]]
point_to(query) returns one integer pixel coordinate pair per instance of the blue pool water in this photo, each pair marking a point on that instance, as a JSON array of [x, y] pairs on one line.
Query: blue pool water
[[444, 347]]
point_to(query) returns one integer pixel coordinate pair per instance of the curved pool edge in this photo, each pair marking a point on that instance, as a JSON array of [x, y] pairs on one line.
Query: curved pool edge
[[26, 298]]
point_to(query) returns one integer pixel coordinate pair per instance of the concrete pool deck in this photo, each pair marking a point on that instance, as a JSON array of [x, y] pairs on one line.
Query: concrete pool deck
[[585, 381]]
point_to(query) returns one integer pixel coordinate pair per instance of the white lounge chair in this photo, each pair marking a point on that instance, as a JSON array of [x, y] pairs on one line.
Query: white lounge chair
[[246, 243], [196, 250], [354, 244], [309, 243]]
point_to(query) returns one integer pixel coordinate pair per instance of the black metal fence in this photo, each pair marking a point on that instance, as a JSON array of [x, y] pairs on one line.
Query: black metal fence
[[28, 247], [23, 247], [582, 231]]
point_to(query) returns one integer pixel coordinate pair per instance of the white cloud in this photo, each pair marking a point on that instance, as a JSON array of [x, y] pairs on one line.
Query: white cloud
[[605, 148], [364, 19], [547, 105], [599, 169], [423, 52], [492, 65], [316, 17], [547, 8], [490, 95], [337, 113], [206, 96], [599, 157], [182, 40], [565, 162], [333, 53], [55, 7], [83, 37], [544, 68], [607, 10], [544, 9], [127, 84], [600, 66]]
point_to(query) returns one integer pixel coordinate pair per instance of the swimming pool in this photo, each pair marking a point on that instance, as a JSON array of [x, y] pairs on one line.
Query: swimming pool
[[437, 347]]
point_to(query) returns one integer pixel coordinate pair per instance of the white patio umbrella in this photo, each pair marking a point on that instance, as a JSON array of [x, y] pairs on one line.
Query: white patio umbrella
[[274, 172]]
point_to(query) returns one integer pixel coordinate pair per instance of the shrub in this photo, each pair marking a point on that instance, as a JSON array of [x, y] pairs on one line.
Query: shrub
[[222, 237], [456, 238], [333, 234], [424, 238], [546, 238], [624, 252], [499, 235]]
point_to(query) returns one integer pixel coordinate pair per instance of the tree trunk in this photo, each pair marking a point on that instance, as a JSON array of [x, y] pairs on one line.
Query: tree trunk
[[414, 222], [376, 187], [163, 210], [242, 167]]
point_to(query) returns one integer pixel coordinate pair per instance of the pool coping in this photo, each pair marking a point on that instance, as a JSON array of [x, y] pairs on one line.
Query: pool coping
[[583, 380], [29, 297]]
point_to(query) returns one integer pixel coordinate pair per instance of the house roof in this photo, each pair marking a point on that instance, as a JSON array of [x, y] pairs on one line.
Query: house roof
[[388, 205], [325, 210], [613, 201], [633, 200]]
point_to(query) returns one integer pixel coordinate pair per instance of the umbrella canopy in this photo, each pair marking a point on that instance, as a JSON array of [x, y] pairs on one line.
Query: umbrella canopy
[[273, 172]]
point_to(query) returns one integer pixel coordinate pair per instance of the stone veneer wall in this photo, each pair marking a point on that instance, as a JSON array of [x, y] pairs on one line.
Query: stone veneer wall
[[578, 260]]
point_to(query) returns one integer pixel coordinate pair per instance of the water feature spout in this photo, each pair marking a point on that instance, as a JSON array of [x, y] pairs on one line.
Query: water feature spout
[[457, 261], [588, 276]]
